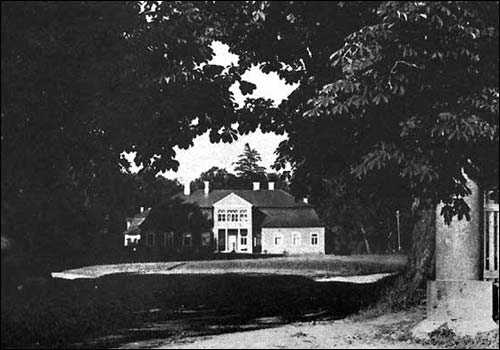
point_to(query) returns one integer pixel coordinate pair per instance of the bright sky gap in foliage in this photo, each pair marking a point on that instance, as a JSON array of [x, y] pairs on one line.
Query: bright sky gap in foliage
[[204, 154]]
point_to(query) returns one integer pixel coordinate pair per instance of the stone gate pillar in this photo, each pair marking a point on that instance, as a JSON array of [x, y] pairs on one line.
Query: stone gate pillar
[[458, 297]]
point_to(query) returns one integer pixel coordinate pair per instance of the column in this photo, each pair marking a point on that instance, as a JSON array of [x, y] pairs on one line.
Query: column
[[458, 245], [458, 297]]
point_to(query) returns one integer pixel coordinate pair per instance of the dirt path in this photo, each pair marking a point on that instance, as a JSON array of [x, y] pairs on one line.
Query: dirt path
[[384, 332]]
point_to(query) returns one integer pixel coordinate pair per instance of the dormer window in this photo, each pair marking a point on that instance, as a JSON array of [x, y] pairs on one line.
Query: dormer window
[[221, 215]]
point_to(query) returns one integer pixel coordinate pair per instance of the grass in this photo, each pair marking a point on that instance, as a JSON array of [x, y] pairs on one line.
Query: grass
[[392, 298], [309, 266], [57, 313]]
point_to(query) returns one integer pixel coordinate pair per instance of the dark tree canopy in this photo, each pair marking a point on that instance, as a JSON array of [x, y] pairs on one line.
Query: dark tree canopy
[[83, 82], [218, 179], [175, 216], [398, 88], [145, 192], [65, 77]]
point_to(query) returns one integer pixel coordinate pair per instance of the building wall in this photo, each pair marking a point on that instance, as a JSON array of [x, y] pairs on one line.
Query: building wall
[[286, 243]]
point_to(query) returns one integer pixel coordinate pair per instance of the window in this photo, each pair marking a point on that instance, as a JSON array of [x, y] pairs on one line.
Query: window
[[168, 239], [243, 234], [314, 239], [278, 239], [243, 215], [221, 241], [187, 241], [296, 238], [221, 215], [232, 215]]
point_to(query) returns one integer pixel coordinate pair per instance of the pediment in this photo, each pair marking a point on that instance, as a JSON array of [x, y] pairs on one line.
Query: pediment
[[232, 200]]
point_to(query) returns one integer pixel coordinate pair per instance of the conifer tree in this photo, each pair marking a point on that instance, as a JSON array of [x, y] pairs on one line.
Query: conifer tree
[[248, 166]]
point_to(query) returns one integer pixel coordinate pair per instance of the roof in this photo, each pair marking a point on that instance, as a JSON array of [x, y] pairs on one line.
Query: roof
[[277, 207], [136, 221], [259, 198], [290, 217]]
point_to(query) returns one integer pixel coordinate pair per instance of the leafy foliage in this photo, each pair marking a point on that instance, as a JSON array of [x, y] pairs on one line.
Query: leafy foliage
[[63, 72], [148, 192], [171, 215], [431, 72], [409, 88], [81, 85], [218, 179], [361, 215]]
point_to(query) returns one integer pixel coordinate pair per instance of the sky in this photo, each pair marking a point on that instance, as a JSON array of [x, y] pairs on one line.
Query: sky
[[203, 154]]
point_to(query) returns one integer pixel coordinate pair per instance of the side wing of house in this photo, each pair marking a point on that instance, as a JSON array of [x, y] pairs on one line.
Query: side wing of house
[[293, 240], [292, 231]]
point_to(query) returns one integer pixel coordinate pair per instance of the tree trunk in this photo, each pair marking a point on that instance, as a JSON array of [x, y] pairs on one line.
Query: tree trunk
[[421, 258]]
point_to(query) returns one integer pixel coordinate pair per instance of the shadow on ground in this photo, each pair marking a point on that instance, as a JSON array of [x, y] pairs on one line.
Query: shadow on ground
[[118, 309]]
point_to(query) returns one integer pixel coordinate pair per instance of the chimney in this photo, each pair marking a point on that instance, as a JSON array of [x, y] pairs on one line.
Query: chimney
[[306, 200], [270, 185], [207, 187], [187, 188], [142, 209], [256, 186]]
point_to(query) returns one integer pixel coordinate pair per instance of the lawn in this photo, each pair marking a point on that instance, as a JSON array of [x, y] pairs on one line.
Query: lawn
[[308, 266], [130, 305]]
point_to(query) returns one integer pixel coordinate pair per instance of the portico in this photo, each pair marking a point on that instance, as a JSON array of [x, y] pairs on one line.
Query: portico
[[233, 224]]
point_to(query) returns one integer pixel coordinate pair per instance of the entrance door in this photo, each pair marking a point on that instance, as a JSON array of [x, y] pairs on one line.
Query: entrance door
[[232, 236]]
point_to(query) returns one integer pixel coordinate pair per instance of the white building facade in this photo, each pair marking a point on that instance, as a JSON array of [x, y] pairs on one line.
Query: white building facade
[[293, 240], [232, 231]]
